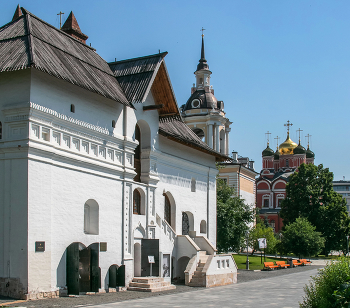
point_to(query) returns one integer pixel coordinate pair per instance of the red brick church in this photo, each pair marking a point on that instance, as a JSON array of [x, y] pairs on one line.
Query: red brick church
[[276, 170]]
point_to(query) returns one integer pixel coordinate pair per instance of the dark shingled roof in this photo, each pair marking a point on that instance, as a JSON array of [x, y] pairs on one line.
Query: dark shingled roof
[[174, 128], [29, 42], [135, 76]]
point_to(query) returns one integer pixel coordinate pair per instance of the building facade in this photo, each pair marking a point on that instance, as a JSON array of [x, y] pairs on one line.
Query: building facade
[[97, 169], [277, 166], [343, 188]]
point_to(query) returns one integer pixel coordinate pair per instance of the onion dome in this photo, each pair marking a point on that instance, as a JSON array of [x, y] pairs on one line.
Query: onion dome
[[309, 153], [299, 149], [277, 155], [268, 151], [288, 146]]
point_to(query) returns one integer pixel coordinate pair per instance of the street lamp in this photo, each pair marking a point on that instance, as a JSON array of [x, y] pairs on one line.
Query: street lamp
[[247, 263], [347, 245], [280, 244]]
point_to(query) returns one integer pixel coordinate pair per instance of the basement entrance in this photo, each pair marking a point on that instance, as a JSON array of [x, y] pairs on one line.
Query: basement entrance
[[82, 266]]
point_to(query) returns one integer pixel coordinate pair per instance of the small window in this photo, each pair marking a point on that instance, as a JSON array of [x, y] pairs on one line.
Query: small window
[[0, 130], [266, 202], [113, 124], [72, 108], [272, 225], [279, 202], [203, 226], [287, 163], [193, 185], [91, 217], [137, 202]]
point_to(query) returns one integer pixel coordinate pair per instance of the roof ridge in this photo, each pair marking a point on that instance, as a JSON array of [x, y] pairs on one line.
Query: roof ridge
[[25, 11], [30, 44], [162, 54]]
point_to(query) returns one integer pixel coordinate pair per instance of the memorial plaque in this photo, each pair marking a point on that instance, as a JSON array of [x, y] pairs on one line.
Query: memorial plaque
[[39, 246], [103, 246]]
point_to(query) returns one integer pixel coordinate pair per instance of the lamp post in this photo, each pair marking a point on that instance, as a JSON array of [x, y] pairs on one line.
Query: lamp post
[[280, 244], [247, 263], [347, 245]]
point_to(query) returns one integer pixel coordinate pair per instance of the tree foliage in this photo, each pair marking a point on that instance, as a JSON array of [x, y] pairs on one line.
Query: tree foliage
[[260, 230], [330, 287], [302, 239], [233, 217], [310, 194]]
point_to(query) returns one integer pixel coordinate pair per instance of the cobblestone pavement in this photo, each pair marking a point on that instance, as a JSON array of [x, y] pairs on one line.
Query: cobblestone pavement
[[98, 299]]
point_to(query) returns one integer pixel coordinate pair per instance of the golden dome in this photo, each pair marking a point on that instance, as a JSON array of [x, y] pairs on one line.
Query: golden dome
[[287, 147]]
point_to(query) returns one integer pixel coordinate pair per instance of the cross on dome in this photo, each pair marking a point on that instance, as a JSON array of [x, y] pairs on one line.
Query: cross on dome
[[288, 124]]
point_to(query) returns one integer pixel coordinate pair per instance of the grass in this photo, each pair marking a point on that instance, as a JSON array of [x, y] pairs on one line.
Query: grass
[[254, 261]]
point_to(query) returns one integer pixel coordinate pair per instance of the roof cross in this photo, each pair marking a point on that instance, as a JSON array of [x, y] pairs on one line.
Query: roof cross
[[288, 124], [268, 137], [308, 140], [299, 130], [202, 31], [60, 13], [277, 138]]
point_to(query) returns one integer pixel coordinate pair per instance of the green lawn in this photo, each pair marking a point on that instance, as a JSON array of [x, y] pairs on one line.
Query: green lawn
[[254, 261]]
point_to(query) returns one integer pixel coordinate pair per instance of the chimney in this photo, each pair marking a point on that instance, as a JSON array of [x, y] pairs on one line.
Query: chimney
[[234, 155], [72, 28], [251, 165]]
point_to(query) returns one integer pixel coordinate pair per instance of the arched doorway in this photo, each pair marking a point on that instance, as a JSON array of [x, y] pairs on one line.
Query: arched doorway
[[181, 267], [137, 260], [82, 268], [116, 276], [185, 224]]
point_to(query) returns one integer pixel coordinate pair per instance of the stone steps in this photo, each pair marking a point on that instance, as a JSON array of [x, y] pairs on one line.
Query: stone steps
[[150, 284]]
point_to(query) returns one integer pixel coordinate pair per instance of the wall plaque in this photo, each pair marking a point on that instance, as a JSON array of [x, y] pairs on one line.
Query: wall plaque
[[103, 246], [39, 246]]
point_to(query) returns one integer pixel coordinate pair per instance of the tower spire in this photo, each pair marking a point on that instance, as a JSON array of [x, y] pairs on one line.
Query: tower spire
[[202, 65]]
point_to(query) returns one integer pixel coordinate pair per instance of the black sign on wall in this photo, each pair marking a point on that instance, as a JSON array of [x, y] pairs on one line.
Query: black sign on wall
[[39, 246]]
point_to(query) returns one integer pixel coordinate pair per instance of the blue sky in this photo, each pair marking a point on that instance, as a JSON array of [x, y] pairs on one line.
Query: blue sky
[[272, 61]]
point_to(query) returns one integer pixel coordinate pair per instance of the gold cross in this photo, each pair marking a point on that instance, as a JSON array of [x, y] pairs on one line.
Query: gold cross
[[308, 140], [299, 130], [268, 137], [202, 31], [277, 138], [288, 124], [60, 13]]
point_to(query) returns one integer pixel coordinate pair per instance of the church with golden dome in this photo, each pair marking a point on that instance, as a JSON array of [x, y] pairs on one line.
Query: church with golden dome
[[277, 166]]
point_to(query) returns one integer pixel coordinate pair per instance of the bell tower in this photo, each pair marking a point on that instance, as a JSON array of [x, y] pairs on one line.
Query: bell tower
[[203, 113]]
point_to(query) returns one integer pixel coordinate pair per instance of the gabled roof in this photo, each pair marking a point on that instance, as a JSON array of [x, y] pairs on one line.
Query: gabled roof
[[278, 175], [173, 127], [135, 76], [29, 42]]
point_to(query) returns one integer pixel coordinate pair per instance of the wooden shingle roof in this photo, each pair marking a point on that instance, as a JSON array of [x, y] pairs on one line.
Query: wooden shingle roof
[[29, 42]]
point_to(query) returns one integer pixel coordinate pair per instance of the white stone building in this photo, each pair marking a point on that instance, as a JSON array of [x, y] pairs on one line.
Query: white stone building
[[97, 169]]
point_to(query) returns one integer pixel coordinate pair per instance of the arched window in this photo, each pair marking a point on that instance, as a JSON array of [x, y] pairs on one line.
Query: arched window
[[137, 157], [0, 130], [91, 217], [72, 108], [137, 202], [167, 209], [113, 124], [203, 226]]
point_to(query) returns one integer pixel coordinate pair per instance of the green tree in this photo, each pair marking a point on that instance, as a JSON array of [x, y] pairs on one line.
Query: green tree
[[260, 230], [310, 194], [329, 288], [233, 217], [302, 239]]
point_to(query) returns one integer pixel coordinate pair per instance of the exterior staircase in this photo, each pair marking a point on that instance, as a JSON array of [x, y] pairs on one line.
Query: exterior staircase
[[150, 284], [198, 277]]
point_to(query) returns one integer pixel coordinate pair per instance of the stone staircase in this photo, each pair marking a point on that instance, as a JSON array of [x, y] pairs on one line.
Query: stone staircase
[[198, 277], [150, 284]]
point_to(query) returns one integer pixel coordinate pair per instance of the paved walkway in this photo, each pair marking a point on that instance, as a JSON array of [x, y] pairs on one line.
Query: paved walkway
[[279, 291]]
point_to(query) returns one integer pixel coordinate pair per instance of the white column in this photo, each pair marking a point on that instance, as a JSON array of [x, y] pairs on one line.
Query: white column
[[210, 136], [227, 131], [217, 138]]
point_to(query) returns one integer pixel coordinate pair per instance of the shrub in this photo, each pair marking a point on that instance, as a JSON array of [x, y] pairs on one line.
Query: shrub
[[329, 288]]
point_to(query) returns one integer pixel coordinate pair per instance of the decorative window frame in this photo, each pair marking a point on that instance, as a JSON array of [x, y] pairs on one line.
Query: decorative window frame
[[279, 197], [266, 197]]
